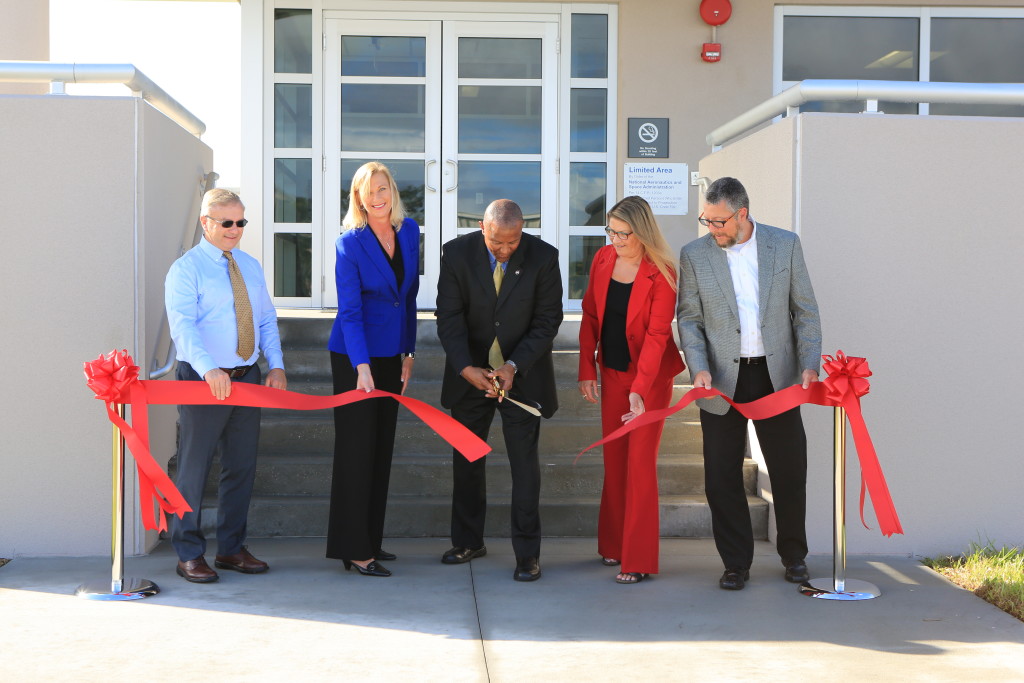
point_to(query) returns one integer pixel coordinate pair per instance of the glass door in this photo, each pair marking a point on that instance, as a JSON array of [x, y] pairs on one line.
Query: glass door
[[383, 103], [463, 112]]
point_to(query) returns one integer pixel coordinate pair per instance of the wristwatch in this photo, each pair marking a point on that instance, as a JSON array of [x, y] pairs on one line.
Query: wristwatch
[[409, 355], [515, 368]]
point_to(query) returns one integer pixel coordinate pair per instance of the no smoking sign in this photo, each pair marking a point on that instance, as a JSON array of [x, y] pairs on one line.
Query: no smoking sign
[[648, 138]]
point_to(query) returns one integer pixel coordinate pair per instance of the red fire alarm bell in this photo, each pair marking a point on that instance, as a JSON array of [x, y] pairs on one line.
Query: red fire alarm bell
[[711, 52], [715, 12]]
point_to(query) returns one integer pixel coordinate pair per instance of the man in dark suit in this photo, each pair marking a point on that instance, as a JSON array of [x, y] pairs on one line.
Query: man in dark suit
[[499, 305], [748, 322]]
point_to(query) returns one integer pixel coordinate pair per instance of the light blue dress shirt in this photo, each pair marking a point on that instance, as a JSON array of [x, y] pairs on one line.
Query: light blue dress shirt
[[201, 310]]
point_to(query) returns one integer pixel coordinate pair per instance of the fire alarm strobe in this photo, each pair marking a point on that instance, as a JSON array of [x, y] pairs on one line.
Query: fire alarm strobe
[[711, 52], [715, 12]]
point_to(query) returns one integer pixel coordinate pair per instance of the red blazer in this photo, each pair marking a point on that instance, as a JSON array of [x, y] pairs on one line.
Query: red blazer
[[652, 305]]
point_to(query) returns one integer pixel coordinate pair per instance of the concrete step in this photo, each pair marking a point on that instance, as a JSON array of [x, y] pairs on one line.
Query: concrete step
[[313, 433], [431, 475], [685, 516]]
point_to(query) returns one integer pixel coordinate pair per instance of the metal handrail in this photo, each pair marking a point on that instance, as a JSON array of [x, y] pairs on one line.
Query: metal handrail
[[127, 74], [844, 90]]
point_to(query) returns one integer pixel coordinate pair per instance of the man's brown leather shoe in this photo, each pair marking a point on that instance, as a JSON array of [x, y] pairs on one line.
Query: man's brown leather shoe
[[242, 561], [197, 571]]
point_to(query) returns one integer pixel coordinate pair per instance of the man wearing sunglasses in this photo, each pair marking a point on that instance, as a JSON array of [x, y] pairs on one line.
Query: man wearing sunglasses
[[749, 326], [221, 318]]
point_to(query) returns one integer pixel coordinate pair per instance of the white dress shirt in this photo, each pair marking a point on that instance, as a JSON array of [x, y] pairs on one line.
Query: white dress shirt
[[742, 259]]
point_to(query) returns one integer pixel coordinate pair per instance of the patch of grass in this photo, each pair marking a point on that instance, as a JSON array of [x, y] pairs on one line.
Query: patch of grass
[[993, 574]]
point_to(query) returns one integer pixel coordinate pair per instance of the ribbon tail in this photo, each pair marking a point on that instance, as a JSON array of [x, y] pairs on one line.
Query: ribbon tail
[[871, 472], [471, 446]]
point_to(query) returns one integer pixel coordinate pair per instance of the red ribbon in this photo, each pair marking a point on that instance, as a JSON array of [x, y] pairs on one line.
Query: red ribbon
[[115, 379], [845, 384]]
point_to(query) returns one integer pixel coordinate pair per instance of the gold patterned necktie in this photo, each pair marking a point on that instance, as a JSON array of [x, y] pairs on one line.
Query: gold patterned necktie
[[494, 356], [243, 310]]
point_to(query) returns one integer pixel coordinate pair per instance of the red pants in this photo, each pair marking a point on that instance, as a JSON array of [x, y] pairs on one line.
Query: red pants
[[627, 527]]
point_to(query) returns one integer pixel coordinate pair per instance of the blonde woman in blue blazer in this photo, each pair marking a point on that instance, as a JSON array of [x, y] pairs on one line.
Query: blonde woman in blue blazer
[[372, 347]]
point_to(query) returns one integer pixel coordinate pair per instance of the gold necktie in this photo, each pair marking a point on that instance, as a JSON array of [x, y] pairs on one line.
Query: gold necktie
[[494, 356], [243, 310]]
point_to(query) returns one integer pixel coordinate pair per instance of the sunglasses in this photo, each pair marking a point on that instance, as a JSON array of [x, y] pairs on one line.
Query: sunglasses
[[229, 223]]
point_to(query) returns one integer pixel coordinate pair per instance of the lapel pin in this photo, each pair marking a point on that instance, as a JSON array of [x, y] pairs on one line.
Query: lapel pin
[[517, 271]]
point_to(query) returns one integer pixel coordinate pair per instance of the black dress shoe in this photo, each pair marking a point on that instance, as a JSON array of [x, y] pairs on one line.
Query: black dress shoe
[[459, 555], [382, 554], [373, 569], [733, 579], [527, 569], [796, 571]]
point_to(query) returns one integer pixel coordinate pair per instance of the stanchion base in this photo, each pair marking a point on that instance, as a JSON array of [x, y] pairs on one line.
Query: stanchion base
[[852, 589], [131, 589]]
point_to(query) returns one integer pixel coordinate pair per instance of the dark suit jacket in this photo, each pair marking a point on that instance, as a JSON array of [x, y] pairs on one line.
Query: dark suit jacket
[[652, 303], [525, 317], [375, 317]]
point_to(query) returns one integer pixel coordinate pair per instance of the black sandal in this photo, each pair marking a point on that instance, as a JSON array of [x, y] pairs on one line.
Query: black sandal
[[631, 577]]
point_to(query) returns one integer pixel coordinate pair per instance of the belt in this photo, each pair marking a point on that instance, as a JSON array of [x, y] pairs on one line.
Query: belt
[[235, 373], [752, 360]]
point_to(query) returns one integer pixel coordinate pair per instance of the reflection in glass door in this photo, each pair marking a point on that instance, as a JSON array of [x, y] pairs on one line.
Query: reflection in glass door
[[496, 137], [382, 103]]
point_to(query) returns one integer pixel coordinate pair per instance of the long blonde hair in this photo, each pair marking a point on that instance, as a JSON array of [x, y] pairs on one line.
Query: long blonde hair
[[355, 217], [636, 212]]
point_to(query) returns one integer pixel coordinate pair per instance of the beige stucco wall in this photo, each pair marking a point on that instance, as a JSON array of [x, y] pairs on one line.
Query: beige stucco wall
[[24, 36], [73, 234], [915, 265]]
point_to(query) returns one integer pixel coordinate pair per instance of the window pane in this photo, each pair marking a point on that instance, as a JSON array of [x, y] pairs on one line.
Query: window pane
[[869, 48], [383, 56], [293, 41], [481, 182], [957, 57], [382, 118], [293, 191], [513, 110], [293, 264], [409, 176], [499, 58], [293, 115], [589, 46], [581, 254], [857, 106], [586, 193], [588, 119]]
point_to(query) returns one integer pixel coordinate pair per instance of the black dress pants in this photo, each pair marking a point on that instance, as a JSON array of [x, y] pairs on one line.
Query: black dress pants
[[200, 430], [784, 446], [469, 495], [364, 442]]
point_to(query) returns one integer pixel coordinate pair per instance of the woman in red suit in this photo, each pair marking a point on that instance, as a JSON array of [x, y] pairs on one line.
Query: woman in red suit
[[627, 324]]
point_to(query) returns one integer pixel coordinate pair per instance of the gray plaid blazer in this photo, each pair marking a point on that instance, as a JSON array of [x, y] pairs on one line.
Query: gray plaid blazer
[[709, 321]]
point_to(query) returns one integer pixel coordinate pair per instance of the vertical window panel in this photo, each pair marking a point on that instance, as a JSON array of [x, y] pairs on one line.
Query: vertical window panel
[[293, 41], [293, 191], [588, 120], [587, 196], [293, 264], [582, 249], [293, 115], [589, 58]]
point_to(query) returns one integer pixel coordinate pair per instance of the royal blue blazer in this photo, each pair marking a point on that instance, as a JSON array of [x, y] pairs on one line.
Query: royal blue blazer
[[376, 317]]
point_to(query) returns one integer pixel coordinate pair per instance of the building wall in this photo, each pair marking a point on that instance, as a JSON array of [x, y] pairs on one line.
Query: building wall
[[24, 36], [76, 166], [915, 270]]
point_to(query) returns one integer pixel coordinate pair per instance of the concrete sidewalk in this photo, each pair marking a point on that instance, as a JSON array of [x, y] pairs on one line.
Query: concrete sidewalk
[[308, 620]]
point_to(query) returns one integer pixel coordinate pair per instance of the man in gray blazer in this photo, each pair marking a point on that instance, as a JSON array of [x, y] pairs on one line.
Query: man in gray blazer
[[749, 326]]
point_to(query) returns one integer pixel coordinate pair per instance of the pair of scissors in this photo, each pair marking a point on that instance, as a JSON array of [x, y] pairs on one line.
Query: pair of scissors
[[504, 395]]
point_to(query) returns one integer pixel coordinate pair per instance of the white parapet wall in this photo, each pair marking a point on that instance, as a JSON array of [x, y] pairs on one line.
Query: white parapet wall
[[908, 227], [98, 193]]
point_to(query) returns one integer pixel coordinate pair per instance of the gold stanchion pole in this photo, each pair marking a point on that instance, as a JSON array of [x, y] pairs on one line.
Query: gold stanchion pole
[[119, 588], [838, 587]]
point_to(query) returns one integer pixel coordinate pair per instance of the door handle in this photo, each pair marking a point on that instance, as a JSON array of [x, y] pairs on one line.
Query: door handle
[[456, 165], [426, 175]]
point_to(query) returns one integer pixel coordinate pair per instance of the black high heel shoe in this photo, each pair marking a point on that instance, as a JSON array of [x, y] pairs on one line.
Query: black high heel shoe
[[375, 568]]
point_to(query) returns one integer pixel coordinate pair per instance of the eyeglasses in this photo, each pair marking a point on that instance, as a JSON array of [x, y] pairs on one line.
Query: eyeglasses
[[718, 224], [622, 235], [230, 223]]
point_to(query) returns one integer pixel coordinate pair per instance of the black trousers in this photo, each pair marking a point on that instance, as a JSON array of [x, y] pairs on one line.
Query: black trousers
[[784, 446], [364, 442], [201, 428], [469, 494]]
